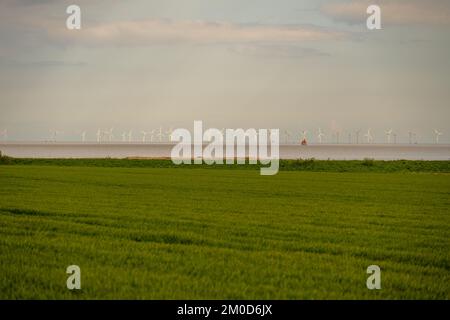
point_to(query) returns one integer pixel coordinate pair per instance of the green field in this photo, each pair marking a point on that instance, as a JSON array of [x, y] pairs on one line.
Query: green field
[[177, 233]]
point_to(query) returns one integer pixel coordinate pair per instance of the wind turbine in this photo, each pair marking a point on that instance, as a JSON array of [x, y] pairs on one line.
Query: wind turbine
[[337, 134], [99, 135], [109, 133], [369, 136], [320, 135], [438, 134], [83, 136], [144, 135], [160, 134], [388, 135], [410, 137], [54, 134], [358, 132], [152, 135]]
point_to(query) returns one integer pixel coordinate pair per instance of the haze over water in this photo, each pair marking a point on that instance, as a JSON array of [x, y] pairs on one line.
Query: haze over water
[[163, 150]]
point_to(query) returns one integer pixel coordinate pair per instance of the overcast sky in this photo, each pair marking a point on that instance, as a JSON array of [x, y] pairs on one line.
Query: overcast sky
[[288, 64]]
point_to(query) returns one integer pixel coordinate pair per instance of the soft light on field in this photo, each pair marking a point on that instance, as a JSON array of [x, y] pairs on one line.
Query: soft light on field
[[216, 234]]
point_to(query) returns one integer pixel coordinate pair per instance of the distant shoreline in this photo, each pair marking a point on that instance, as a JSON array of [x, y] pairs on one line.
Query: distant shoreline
[[367, 165], [137, 143], [88, 150]]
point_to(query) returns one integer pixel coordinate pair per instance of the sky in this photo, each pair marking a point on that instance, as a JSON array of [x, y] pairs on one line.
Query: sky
[[288, 64]]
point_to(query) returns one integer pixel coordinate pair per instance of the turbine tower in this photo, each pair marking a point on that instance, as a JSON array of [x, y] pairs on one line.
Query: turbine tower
[[438, 134], [369, 136], [152, 135], [83, 136], [337, 134], [416, 141], [54, 134], [160, 134], [109, 133], [144, 136], [320, 135], [410, 134], [99, 135], [358, 133], [388, 135]]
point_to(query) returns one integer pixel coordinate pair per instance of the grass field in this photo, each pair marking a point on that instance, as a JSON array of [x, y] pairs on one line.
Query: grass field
[[178, 233]]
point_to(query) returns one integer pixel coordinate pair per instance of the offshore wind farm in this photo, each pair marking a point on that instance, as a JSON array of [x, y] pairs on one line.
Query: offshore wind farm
[[300, 144]]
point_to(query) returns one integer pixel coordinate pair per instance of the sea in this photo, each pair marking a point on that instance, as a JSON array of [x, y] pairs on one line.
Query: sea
[[287, 151]]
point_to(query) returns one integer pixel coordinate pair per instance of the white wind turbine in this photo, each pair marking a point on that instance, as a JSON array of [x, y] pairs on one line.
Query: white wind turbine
[[83, 136], [144, 135], [337, 134], [109, 133], [320, 135], [160, 134], [55, 134], [410, 134], [99, 135], [438, 134], [369, 136], [388, 135], [152, 135], [413, 137], [357, 133]]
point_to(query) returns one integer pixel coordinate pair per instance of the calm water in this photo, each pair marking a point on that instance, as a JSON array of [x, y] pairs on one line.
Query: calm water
[[124, 150]]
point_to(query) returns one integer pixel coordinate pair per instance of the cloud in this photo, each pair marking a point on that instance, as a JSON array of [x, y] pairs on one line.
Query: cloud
[[394, 12], [46, 22], [148, 32], [276, 51], [43, 63]]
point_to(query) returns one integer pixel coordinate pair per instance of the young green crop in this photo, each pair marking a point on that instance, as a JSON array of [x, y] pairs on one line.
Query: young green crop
[[177, 233]]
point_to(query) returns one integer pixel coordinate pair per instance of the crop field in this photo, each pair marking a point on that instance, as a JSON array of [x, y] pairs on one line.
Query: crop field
[[205, 233]]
